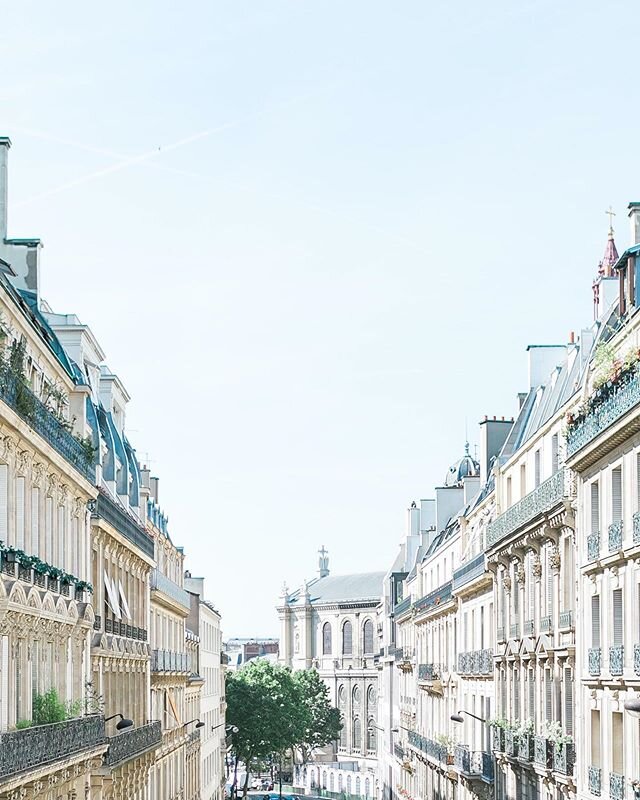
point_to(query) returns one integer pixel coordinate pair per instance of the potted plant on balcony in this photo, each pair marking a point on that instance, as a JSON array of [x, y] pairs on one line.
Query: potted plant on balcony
[[498, 727], [55, 574], [524, 734], [40, 572], [448, 743], [635, 786], [563, 750], [81, 588]]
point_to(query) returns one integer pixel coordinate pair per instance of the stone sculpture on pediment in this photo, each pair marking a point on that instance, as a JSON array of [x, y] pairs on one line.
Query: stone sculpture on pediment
[[23, 461], [37, 473], [9, 446]]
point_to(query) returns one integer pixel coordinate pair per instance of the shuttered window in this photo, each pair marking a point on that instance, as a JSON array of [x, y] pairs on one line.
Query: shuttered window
[[616, 494], [618, 633], [20, 543], [48, 529], [548, 689], [516, 694], [503, 699], [568, 701], [595, 507], [595, 738], [549, 582], [595, 620], [554, 453], [638, 480], [531, 587], [537, 467], [35, 521], [532, 695]]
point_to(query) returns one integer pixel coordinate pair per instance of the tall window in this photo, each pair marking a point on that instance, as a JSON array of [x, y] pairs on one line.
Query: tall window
[[326, 639], [595, 738], [357, 733], [568, 701], [618, 634], [617, 743], [371, 734], [548, 696], [616, 494], [595, 620], [347, 639], [523, 480], [554, 453], [367, 637], [537, 467]]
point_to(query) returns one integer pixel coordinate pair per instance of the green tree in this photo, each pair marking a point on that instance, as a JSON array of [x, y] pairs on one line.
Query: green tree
[[323, 724]]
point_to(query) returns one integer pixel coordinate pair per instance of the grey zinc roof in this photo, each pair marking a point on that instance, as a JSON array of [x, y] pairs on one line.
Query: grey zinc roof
[[345, 588]]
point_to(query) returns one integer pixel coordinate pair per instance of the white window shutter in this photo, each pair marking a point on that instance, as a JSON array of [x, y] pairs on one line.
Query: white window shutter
[[35, 521], [20, 543], [568, 701], [4, 509], [595, 620], [595, 507], [532, 695], [548, 688], [618, 632], [616, 494]]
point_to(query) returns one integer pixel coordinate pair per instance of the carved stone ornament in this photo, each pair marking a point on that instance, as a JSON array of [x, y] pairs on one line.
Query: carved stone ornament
[[37, 473], [536, 567], [24, 461], [63, 493], [554, 558], [78, 506], [8, 447], [52, 484], [506, 582], [521, 574]]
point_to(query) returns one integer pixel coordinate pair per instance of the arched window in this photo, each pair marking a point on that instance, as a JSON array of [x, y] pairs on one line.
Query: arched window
[[326, 639], [367, 638], [357, 734], [347, 639], [312, 778], [367, 787], [343, 736], [339, 781], [348, 784], [371, 734], [297, 643], [356, 696], [357, 785], [371, 700], [324, 779], [331, 782], [342, 696]]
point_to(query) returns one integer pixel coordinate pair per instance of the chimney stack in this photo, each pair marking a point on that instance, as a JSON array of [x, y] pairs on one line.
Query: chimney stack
[[634, 216], [154, 488], [5, 144], [493, 434]]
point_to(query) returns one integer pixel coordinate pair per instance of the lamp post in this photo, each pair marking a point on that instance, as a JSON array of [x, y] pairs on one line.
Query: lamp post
[[124, 722], [230, 728], [633, 706], [197, 721], [459, 718]]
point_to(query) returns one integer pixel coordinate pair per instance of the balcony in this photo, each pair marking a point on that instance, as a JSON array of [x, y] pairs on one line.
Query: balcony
[[40, 419], [32, 748], [593, 546], [528, 627], [511, 743], [476, 662], [401, 607], [119, 628], [497, 739], [435, 598], [563, 759], [595, 661], [615, 536], [468, 572], [132, 743], [616, 786], [636, 659], [566, 620], [170, 661], [595, 780], [538, 502], [604, 413], [514, 630], [501, 633], [108, 510], [526, 747], [398, 751], [429, 672], [543, 751], [616, 659], [432, 749], [473, 764], [161, 583], [636, 528], [546, 624]]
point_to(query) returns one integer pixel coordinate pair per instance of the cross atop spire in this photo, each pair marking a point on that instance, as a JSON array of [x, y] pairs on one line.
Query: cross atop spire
[[611, 214], [610, 258]]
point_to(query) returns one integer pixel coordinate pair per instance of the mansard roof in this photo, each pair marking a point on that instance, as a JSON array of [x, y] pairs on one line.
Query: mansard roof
[[344, 588]]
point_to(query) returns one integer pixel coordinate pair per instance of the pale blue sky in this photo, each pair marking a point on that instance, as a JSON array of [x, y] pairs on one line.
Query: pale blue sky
[[313, 239]]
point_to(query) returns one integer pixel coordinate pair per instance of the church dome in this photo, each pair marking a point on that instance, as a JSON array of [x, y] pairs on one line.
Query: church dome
[[466, 467]]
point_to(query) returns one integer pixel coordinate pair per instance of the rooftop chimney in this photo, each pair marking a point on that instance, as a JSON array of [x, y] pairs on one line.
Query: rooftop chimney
[[154, 488], [543, 358], [634, 216], [5, 144], [493, 434]]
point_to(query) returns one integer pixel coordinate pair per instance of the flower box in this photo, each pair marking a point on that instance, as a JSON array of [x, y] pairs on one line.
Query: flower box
[[526, 748], [497, 739], [511, 743], [564, 758], [543, 751]]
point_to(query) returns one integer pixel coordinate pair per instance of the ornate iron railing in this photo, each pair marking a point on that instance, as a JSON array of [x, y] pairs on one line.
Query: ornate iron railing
[[622, 399], [110, 512], [497, 739], [34, 747], [636, 528], [435, 598], [401, 607], [593, 546], [616, 786], [511, 743], [170, 661], [526, 749], [546, 624], [615, 536], [476, 662], [475, 762], [429, 672], [616, 659], [36, 414], [595, 780], [563, 759], [528, 627], [514, 630], [636, 659], [542, 499], [428, 746], [468, 572], [595, 660], [566, 620], [542, 751], [398, 751], [501, 633], [462, 758], [165, 585], [133, 742]]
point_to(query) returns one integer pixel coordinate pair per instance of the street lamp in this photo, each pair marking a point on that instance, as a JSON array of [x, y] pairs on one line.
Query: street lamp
[[633, 706], [230, 728], [124, 722], [197, 721], [459, 718]]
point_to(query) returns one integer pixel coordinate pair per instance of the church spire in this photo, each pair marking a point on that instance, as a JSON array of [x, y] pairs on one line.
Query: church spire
[[610, 258], [602, 297]]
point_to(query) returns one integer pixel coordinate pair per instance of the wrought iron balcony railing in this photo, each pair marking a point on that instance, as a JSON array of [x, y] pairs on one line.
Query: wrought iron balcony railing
[[563, 759], [398, 751], [170, 661], [434, 750], [511, 743], [429, 672], [435, 598], [108, 510], [603, 414], [468, 572], [636, 528], [595, 780], [165, 585], [133, 742], [30, 748], [546, 624], [636, 659], [40, 419], [401, 607], [514, 630], [542, 499], [498, 739], [476, 662], [616, 786], [593, 546], [119, 628], [615, 536], [616, 659], [473, 763], [528, 627], [526, 748], [595, 661], [501, 633], [542, 751]]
